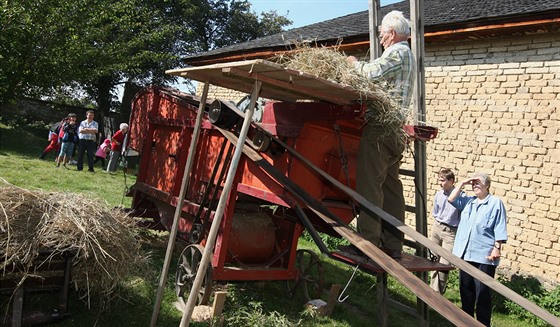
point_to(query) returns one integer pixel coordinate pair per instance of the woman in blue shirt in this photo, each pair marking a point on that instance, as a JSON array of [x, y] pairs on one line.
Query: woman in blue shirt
[[480, 235]]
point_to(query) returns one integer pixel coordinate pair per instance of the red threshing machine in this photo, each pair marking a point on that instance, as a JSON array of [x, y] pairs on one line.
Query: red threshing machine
[[275, 194]]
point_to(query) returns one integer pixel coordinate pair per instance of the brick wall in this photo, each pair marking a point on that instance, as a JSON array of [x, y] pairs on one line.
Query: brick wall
[[496, 103]]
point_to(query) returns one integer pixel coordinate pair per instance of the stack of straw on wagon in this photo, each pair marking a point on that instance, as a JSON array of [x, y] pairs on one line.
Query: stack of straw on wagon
[[383, 109]]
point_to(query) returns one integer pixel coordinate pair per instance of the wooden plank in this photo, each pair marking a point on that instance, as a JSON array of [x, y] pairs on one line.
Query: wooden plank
[[411, 262], [289, 85], [406, 278]]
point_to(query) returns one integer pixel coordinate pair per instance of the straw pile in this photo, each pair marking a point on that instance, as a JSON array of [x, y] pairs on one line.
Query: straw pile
[[105, 245], [383, 109]]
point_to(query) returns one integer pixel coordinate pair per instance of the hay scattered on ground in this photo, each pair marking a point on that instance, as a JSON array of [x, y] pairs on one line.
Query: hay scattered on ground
[[383, 109], [104, 244]]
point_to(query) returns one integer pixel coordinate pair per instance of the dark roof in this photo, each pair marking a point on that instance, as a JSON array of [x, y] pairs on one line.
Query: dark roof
[[439, 15]]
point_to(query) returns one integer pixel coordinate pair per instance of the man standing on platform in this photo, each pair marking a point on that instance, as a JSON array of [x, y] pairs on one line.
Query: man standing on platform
[[379, 152]]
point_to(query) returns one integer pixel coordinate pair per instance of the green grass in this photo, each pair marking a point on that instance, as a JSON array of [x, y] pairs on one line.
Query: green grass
[[247, 303], [19, 165]]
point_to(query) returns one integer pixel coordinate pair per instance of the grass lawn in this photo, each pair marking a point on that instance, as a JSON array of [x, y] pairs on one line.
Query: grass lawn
[[247, 303]]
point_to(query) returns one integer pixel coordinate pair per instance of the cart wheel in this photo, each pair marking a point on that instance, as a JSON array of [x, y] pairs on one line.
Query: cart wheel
[[310, 275], [186, 273]]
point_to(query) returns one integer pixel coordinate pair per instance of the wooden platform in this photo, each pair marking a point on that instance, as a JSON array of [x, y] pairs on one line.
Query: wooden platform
[[409, 261], [279, 83]]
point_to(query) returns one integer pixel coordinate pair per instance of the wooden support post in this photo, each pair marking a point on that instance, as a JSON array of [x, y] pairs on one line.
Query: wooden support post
[[179, 208], [211, 239], [374, 46], [381, 294], [218, 306], [333, 295], [417, 20], [17, 307]]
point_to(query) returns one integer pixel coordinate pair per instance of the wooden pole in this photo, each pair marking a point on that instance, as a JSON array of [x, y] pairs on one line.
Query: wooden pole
[[374, 19], [417, 20], [211, 239], [179, 208]]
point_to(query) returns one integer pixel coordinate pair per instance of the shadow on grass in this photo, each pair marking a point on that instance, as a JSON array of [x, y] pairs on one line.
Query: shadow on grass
[[24, 142]]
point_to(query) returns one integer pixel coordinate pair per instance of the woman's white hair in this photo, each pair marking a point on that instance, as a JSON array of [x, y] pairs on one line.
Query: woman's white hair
[[485, 178], [123, 126], [396, 21]]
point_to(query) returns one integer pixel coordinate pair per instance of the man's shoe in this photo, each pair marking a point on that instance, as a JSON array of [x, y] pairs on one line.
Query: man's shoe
[[91, 170]]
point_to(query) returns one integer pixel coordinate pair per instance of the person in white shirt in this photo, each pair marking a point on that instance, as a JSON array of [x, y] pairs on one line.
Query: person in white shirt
[[87, 133]]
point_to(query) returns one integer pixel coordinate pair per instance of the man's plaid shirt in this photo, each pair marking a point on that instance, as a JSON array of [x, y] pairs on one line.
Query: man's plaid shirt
[[396, 67]]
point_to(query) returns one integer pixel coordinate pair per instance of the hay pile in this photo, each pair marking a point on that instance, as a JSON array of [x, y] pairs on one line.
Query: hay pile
[[383, 109], [105, 245]]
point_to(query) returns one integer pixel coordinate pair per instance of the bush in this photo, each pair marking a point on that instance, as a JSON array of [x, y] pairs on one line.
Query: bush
[[531, 289]]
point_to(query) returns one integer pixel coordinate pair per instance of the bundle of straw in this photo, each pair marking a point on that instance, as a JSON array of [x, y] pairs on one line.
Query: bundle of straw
[[383, 109], [105, 245]]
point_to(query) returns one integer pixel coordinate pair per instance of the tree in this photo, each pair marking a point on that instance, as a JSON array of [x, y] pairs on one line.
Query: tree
[[210, 24], [49, 47]]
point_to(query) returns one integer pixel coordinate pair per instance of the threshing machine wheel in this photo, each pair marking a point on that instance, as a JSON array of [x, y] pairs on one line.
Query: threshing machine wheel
[[310, 275], [187, 268]]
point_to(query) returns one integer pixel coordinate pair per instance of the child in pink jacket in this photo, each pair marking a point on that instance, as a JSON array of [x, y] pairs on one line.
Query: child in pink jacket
[[102, 151]]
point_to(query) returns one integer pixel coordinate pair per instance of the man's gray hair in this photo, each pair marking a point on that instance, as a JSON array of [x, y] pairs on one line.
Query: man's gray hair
[[396, 21]]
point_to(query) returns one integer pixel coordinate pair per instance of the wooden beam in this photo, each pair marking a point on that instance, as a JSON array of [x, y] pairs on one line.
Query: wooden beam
[[374, 21], [420, 165]]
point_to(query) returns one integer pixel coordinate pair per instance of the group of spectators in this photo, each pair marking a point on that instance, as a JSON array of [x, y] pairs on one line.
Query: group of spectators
[[67, 137]]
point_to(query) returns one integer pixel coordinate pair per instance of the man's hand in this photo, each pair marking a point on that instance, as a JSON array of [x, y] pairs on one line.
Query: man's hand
[[351, 59]]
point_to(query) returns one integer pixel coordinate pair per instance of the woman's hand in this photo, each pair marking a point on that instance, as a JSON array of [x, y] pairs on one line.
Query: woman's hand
[[495, 254]]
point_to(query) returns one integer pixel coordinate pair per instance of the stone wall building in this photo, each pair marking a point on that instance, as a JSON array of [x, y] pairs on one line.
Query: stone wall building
[[493, 91], [496, 103]]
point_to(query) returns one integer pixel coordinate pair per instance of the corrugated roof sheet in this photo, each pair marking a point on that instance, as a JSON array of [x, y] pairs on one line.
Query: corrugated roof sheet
[[439, 14]]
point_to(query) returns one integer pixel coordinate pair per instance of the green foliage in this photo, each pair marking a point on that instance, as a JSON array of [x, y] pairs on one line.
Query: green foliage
[[77, 47], [531, 289], [252, 315], [330, 242]]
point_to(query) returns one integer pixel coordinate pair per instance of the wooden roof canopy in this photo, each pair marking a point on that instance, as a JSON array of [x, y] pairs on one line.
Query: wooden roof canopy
[[279, 83]]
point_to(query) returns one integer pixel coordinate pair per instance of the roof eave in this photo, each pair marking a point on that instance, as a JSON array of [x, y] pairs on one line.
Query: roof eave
[[432, 34]]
